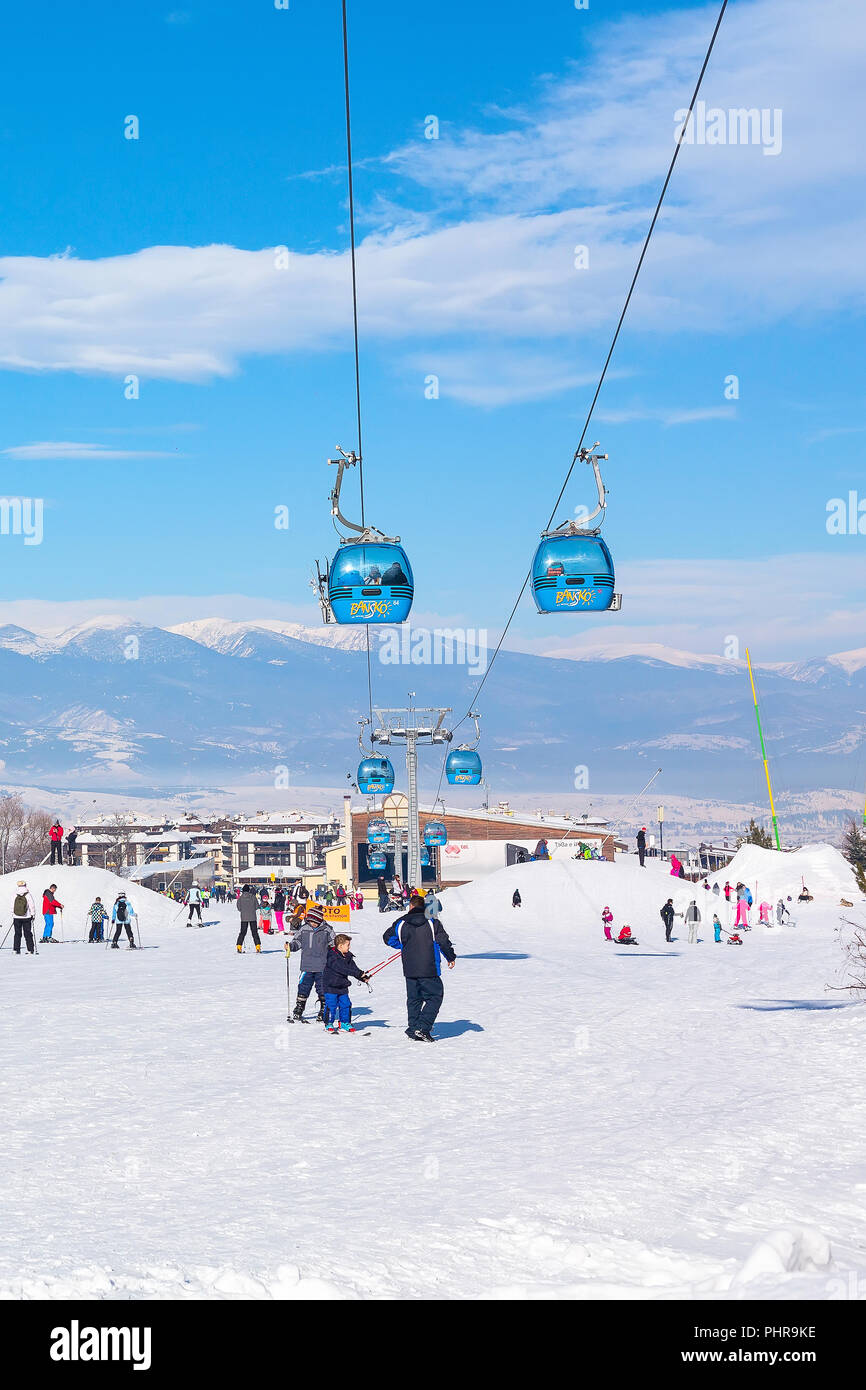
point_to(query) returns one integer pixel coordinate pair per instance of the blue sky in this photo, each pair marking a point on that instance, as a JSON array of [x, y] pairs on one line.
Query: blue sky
[[155, 256]]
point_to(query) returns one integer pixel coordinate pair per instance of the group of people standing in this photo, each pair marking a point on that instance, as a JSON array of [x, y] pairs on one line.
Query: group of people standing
[[24, 914], [55, 844]]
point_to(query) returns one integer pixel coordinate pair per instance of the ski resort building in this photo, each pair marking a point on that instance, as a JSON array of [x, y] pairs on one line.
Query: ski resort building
[[479, 842]]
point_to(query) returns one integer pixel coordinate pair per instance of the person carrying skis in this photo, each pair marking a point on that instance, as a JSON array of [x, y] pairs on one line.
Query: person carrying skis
[[641, 845], [70, 845], [193, 902], [607, 918], [314, 939], [121, 918], [50, 906], [97, 916], [55, 835], [247, 905], [23, 913], [667, 915], [516, 900], [422, 944], [693, 917], [340, 967]]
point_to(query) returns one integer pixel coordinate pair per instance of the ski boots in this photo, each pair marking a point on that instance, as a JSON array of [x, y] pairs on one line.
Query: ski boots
[[347, 1028], [320, 1016], [300, 1005], [258, 948], [240, 950]]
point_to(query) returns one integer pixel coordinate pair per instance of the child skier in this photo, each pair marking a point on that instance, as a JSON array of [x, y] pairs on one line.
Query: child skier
[[764, 915], [98, 917], [516, 900], [607, 918], [717, 928], [340, 965], [314, 939]]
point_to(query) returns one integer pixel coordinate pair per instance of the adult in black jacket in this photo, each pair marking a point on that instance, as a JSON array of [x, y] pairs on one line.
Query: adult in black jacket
[[246, 905], [641, 845], [667, 916], [422, 943]]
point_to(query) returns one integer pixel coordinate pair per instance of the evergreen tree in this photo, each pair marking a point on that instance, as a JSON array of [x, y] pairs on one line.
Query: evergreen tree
[[756, 835], [854, 850]]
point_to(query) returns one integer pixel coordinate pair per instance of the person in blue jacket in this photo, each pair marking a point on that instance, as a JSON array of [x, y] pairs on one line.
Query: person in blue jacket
[[422, 943], [340, 967]]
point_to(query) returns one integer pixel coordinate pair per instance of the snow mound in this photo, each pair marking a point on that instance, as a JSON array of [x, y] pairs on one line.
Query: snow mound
[[791, 1250], [571, 893], [77, 888], [826, 873]]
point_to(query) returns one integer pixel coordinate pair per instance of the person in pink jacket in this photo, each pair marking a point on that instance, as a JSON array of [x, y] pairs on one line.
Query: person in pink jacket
[[764, 915], [607, 918], [675, 866]]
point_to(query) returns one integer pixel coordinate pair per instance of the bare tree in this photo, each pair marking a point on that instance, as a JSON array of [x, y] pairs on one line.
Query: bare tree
[[23, 834], [854, 947], [118, 833]]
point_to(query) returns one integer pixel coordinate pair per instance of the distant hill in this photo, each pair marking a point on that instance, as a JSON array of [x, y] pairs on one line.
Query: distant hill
[[113, 703]]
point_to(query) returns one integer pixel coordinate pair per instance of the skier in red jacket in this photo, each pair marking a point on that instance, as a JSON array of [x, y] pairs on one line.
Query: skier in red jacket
[[55, 835]]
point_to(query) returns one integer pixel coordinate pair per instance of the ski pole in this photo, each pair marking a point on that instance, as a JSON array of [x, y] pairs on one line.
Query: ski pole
[[288, 988], [381, 966], [6, 938], [62, 938]]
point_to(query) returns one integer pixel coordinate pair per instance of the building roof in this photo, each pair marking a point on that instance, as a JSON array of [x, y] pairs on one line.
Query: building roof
[[168, 866], [273, 837], [500, 817]]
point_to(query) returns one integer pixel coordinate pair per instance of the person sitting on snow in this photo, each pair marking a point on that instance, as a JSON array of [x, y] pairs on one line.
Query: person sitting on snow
[[805, 896], [625, 935]]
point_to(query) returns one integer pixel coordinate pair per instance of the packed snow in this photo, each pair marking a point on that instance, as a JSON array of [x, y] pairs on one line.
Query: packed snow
[[595, 1121]]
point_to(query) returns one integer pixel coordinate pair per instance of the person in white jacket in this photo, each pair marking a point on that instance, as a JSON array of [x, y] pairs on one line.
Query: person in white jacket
[[193, 902], [23, 912]]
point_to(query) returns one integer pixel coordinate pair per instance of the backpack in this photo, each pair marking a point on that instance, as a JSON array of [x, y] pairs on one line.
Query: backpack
[[19, 907], [121, 909]]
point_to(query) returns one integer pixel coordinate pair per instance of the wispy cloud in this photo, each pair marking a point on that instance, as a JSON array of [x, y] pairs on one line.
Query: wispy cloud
[[68, 449], [666, 415]]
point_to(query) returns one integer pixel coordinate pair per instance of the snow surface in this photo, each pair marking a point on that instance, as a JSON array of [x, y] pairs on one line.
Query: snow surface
[[595, 1122]]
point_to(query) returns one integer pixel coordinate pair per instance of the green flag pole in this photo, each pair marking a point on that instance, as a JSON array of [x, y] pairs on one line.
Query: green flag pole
[[764, 754]]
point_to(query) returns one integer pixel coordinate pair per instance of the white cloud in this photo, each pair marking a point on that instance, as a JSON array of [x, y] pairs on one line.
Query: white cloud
[[738, 246], [67, 449]]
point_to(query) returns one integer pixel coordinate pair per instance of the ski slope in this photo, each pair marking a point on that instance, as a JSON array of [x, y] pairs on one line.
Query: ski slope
[[660, 1122]]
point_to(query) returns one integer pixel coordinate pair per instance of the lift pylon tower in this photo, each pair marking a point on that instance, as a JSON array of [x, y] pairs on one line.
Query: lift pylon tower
[[411, 726]]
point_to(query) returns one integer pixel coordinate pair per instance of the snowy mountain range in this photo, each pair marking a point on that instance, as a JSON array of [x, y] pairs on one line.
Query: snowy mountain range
[[114, 703]]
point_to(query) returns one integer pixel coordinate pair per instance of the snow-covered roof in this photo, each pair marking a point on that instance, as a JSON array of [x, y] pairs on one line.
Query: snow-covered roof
[[168, 866], [274, 837]]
